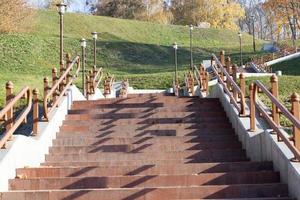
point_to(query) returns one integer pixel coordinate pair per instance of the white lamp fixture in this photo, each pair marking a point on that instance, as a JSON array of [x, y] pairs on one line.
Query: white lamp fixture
[[175, 45], [191, 27], [95, 35], [61, 8], [83, 43], [240, 34]]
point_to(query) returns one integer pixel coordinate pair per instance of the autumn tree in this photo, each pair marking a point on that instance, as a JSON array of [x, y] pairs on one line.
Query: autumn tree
[[219, 13], [284, 17], [12, 14], [127, 9]]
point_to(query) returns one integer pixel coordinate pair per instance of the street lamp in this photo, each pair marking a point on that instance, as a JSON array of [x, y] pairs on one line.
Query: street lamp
[[293, 22], [241, 53], [175, 47], [253, 34], [95, 36], [191, 46], [83, 47], [61, 8]]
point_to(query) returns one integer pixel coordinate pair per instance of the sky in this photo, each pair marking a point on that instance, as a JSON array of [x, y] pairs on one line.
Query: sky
[[75, 6]]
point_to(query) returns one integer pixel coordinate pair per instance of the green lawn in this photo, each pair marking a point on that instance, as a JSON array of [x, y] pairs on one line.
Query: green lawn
[[291, 67], [140, 51]]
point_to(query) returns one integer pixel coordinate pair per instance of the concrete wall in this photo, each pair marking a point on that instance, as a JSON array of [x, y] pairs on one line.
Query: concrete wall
[[262, 145], [282, 59], [25, 151]]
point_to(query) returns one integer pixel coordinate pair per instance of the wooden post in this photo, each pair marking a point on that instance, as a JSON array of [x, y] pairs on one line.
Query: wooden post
[[295, 99], [10, 112], [46, 86], [222, 57], [35, 115], [243, 84], [274, 90], [87, 86], [54, 79], [234, 73], [252, 92], [228, 64], [212, 61], [206, 83]]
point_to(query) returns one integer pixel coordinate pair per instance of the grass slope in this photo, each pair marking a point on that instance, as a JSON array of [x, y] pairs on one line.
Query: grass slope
[[140, 51]]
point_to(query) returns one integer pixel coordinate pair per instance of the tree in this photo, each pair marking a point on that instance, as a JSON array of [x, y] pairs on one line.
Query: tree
[[128, 9], [146, 10], [219, 13], [285, 14], [12, 15]]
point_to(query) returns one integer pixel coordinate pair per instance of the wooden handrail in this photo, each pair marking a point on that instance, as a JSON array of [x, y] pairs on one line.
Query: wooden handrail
[[230, 82], [255, 104], [59, 87], [7, 112]]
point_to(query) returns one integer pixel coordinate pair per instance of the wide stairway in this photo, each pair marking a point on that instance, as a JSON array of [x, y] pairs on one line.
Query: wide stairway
[[148, 146]]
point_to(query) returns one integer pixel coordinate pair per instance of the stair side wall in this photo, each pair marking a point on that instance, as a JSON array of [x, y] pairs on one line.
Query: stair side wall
[[25, 151], [262, 145]]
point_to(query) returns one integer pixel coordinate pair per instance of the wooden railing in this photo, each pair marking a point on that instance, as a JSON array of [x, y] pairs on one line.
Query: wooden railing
[[108, 83], [93, 79], [124, 89], [260, 61], [54, 94], [11, 122], [231, 88], [189, 82], [273, 119], [205, 78]]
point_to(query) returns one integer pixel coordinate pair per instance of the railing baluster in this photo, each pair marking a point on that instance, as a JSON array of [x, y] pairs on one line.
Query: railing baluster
[[206, 83], [10, 112], [275, 113], [35, 116], [295, 99], [54, 79], [252, 92], [243, 83]]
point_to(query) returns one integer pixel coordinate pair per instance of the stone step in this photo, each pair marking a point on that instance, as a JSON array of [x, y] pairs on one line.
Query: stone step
[[198, 111], [230, 158], [168, 105], [145, 100], [132, 131], [77, 126], [144, 181], [163, 169], [83, 141], [162, 193], [271, 198], [219, 123], [189, 155], [134, 148], [96, 114]]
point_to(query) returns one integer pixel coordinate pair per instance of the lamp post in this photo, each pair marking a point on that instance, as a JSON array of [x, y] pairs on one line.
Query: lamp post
[[95, 36], [83, 46], [191, 46], [293, 20], [241, 53], [175, 47], [61, 7], [253, 34]]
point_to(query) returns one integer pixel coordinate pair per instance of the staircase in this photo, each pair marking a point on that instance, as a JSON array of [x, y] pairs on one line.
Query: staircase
[[147, 147]]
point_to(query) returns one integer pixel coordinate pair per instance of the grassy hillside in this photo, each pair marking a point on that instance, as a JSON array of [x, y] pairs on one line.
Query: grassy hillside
[[290, 67], [136, 50]]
